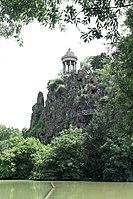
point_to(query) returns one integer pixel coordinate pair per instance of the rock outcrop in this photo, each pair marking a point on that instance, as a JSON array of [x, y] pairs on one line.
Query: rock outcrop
[[71, 100]]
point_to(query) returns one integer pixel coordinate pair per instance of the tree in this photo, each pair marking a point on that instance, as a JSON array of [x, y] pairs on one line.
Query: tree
[[18, 160], [6, 132], [118, 159], [25, 132], [95, 136], [94, 62], [65, 157], [122, 69], [5, 135], [103, 13], [15, 14]]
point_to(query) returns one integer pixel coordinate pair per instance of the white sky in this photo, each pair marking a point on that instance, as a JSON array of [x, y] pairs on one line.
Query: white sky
[[24, 71]]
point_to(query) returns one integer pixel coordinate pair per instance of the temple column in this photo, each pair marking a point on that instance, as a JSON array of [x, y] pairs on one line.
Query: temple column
[[70, 65], [65, 67], [74, 66]]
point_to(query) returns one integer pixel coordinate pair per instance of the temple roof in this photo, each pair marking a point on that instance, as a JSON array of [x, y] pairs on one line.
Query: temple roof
[[68, 55]]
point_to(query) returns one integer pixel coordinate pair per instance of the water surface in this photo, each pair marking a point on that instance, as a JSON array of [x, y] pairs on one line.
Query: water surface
[[92, 190], [65, 190], [23, 189]]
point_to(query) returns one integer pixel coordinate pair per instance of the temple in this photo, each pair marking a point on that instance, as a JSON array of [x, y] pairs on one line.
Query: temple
[[69, 61]]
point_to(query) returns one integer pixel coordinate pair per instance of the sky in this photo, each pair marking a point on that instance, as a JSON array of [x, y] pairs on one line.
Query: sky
[[24, 71]]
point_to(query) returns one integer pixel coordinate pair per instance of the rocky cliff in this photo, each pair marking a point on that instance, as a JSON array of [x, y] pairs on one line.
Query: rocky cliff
[[71, 100]]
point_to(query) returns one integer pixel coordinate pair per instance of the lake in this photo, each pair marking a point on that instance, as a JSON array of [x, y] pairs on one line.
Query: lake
[[65, 190]]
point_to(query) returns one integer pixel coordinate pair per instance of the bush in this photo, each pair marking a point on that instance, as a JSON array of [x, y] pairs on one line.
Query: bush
[[53, 84], [118, 159], [5, 135], [65, 158], [18, 161]]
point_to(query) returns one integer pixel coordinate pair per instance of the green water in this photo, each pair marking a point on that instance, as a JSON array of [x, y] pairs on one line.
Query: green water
[[23, 189], [92, 190], [65, 190]]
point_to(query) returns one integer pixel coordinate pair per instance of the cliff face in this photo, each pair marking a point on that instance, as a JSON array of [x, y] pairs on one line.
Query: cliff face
[[71, 100]]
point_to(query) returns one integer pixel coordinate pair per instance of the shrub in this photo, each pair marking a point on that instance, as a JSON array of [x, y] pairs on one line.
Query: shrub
[[53, 84], [18, 161], [65, 158]]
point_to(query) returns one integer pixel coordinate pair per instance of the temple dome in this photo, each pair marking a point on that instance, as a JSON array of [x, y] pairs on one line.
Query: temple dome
[[69, 56]]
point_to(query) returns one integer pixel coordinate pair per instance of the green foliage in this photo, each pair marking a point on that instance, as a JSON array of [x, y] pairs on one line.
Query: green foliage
[[5, 132], [117, 157], [97, 61], [94, 63], [54, 85], [18, 160], [25, 132], [65, 158], [36, 129], [60, 88], [86, 64], [122, 68], [95, 136], [104, 73], [77, 99], [15, 14], [109, 142], [5, 135], [129, 16], [104, 98]]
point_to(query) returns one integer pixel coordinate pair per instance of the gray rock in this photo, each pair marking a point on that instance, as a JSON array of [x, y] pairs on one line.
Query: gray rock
[[72, 100]]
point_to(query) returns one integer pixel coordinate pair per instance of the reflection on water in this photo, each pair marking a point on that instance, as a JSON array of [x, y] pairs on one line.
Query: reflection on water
[[92, 190], [65, 190], [23, 189]]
